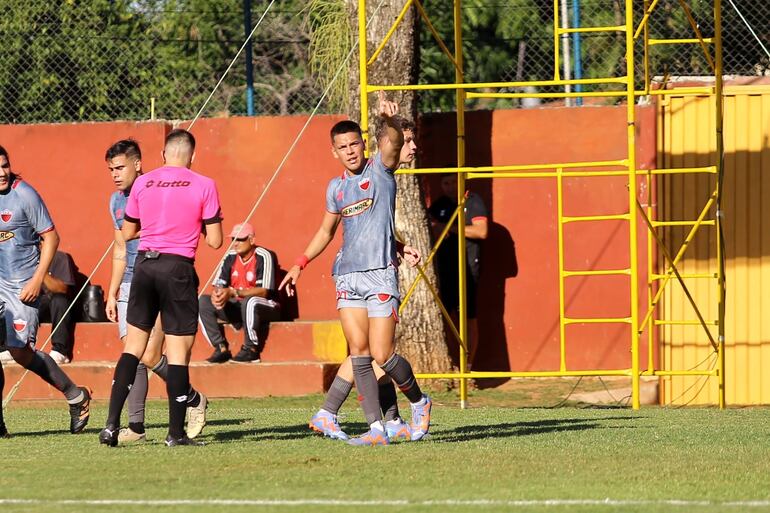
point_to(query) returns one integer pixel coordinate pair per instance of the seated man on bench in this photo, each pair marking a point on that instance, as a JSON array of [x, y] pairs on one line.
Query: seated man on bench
[[244, 295]]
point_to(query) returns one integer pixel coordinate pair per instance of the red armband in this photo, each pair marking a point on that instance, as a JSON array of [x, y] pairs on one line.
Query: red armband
[[302, 261]]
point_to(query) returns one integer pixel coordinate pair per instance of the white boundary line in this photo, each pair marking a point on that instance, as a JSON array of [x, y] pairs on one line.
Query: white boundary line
[[520, 503]]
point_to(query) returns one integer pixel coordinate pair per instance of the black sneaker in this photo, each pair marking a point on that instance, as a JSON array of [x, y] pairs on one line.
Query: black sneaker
[[4, 431], [80, 412], [109, 437], [185, 440], [247, 355], [220, 355]]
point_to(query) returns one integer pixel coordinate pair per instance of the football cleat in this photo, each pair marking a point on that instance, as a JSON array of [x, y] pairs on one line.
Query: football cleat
[[372, 437], [397, 430], [196, 417], [420, 424], [80, 412], [325, 423]]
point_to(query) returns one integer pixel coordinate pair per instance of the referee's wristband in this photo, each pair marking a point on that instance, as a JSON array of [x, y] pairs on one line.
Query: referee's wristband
[[302, 261]]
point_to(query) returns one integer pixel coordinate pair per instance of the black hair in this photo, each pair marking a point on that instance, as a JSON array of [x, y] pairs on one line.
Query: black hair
[[127, 147], [345, 127], [179, 134], [4, 153]]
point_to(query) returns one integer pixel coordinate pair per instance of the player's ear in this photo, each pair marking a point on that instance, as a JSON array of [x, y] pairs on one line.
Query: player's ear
[[163, 155], [334, 153], [192, 157], [138, 165]]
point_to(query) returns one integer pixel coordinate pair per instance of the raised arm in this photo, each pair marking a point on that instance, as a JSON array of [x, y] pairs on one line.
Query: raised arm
[[392, 140], [318, 244]]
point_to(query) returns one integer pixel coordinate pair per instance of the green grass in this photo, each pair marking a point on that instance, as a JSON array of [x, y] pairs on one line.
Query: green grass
[[262, 450]]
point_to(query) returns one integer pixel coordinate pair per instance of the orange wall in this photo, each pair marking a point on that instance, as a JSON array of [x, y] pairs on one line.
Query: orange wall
[[518, 315]]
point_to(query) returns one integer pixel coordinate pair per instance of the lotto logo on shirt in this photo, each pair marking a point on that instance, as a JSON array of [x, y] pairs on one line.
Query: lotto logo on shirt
[[357, 208], [161, 183], [4, 236]]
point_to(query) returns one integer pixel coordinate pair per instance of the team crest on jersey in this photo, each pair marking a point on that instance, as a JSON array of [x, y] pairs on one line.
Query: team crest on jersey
[[364, 184], [358, 207], [4, 236], [19, 325], [6, 215]]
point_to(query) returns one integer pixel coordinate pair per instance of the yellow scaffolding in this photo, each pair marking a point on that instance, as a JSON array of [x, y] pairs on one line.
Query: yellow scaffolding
[[710, 214]]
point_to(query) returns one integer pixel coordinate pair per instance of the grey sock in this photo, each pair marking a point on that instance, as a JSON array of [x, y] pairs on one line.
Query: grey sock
[[388, 399], [366, 383], [161, 368], [137, 396], [44, 366], [399, 369], [338, 393]]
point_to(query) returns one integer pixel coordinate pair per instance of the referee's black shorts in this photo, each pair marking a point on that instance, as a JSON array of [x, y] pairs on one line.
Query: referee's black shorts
[[166, 284]]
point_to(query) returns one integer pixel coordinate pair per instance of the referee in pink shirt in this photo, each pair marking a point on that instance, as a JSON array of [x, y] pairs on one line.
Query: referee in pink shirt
[[171, 205]]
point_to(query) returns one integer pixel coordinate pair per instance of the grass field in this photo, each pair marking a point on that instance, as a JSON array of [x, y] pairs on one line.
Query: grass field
[[491, 457]]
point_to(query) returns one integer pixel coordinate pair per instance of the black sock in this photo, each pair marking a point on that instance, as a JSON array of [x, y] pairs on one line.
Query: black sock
[[193, 398], [401, 372], [338, 393], [388, 399], [44, 366], [366, 383], [123, 379], [136, 427], [161, 368], [177, 387]]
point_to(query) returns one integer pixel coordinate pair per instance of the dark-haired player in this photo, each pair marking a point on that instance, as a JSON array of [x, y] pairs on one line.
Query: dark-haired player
[[28, 242], [171, 205], [363, 198]]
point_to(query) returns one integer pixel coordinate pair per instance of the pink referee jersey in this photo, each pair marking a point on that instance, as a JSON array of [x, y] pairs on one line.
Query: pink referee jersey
[[171, 204]]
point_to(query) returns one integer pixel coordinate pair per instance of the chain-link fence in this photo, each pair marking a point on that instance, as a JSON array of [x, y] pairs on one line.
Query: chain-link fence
[[513, 40], [69, 60], [64, 60]]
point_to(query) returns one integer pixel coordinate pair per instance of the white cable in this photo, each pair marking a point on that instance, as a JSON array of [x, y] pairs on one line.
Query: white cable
[[15, 387], [343, 66], [222, 78], [745, 21]]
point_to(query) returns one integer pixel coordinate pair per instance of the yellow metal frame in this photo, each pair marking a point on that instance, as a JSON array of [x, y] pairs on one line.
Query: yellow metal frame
[[626, 167]]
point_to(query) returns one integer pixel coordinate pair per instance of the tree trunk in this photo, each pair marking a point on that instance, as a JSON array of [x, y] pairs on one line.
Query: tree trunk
[[420, 334]]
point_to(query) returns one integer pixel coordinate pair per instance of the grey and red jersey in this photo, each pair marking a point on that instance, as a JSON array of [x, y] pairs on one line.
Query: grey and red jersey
[[23, 217], [367, 204]]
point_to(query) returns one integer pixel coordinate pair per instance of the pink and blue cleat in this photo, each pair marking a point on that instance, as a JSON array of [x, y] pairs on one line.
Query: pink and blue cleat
[[420, 424], [397, 430], [326, 423], [372, 437]]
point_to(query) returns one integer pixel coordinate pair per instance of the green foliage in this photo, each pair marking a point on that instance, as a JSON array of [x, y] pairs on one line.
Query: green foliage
[[67, 60], [331, 37]]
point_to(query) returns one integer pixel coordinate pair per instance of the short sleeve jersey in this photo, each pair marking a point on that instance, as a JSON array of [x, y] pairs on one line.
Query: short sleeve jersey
[[441, 210], [118, 202], [23, 217], [367, 204], [171, 204]]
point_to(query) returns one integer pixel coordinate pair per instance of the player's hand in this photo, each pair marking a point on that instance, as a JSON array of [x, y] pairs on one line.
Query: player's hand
[[386, 108], [219, 297], [290, 280], [111, 309], [31, 291], [411, 256]]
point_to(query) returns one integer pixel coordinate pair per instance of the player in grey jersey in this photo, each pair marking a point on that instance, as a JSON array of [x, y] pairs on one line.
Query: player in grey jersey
[[28, 242], [365, 270]]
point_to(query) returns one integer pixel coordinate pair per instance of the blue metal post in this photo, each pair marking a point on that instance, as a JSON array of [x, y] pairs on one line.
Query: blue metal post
[[249, 65], [577, 58]]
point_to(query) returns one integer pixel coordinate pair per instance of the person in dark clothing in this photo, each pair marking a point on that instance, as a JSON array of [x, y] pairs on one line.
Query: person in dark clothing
[[244, 295], [58, 292]]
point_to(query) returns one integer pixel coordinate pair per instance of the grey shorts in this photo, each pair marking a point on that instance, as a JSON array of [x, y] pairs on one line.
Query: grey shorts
[[375, 290], [123, 292], [20, 319]]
